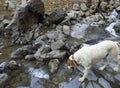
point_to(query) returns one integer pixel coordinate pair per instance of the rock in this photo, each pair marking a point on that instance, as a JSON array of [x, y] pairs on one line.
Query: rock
[[1, 18], [54, 54], [66, 29], [103, 6], [53, 64], [91, 76], [55, 17], [38, 73], [23, 87], [78, 30], [13, 65], [76, 6], [73, 83], [89, 85], [117, 77], [3, 66], [42, 83], [104, 83], [83, 7], [95, 85], [30, 57], [57, 45], [109, 77], [42, 50], [21, 52], [3, 77], [56, 35], [118, 9]]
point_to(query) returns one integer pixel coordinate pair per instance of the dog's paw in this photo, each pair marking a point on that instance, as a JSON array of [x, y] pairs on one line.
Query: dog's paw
[[81, 79], [101, 68], [116, 69]]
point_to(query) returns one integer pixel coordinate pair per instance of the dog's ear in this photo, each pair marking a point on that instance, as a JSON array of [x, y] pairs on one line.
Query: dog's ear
[[71, 64]]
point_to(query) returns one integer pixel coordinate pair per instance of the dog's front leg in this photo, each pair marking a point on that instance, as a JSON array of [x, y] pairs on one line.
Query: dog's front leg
[[85, 74], [105, 64]]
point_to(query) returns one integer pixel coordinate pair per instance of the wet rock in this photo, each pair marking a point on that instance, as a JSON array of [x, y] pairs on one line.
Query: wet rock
[[83, 85], [3, 77], [30, 57], [3, 66], [21, 52], [91, 76], [104, 83], [117, 77], [54, 54], [42, 83], [89, 85], [95, 85], [38, 73], [74, 83], [55, 17], [23, 87], [53, 65], [56, 35], [109, 77], [78, 30], [57, 45]]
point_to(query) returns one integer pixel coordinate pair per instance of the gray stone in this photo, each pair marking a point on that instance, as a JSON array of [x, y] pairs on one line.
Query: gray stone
[[78, 30], [54, 54], [53, 64], [1, 18], [83, 85], [3, 77], [83, 7], [3, 65], [95, 85], [92, 76], [76, 6], [57, 45], [30, 57], [104, 83], [72, 84], [21, 52], [89, 85], [42, 50], [117, 77], [55, 17], [118, 8], [42, 83], [66, 29], [56, 35]]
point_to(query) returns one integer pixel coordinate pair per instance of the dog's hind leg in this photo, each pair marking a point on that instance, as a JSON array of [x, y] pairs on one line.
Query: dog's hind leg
[[117, 61], [85, 74], [105, 64]]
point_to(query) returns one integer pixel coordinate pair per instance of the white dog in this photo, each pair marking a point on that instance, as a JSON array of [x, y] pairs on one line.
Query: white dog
[[90, 55]]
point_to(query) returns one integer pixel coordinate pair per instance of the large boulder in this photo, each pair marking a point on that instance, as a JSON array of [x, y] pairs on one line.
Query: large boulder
[[28, 15], [55, 17]]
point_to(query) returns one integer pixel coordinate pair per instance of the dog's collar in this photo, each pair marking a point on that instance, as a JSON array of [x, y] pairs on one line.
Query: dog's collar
[[73, 59]]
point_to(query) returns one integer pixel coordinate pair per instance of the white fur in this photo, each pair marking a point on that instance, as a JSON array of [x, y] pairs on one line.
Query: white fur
[[88, 56]]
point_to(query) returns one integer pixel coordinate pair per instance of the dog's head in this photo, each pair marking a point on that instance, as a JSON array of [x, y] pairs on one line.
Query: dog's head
[[70, 63]]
